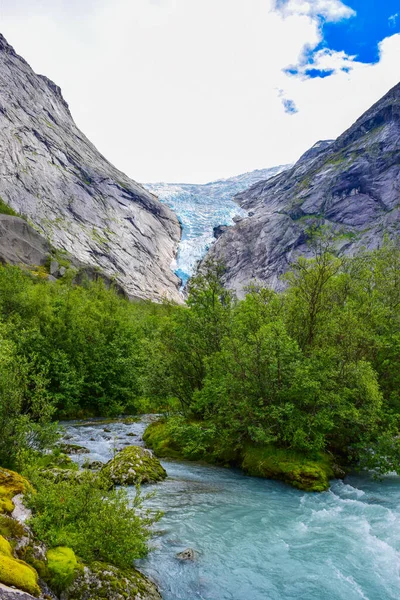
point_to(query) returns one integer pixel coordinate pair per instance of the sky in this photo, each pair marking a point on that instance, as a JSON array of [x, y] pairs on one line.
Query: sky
[[197, 90]]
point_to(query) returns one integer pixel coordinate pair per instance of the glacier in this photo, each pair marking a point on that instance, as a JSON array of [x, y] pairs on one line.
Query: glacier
[[201, 207]]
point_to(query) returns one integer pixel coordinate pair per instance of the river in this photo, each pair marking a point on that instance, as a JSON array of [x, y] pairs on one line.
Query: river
[[262, 540]]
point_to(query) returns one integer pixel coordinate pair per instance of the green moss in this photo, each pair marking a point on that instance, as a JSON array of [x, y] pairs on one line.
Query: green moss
[[5, 547], [6, 505], [10, 528], [311, 475], [7, 210], [269, 462], [105, 581], [62, 566], [134, 465], [12, 483], [157, 438], [14, 572]]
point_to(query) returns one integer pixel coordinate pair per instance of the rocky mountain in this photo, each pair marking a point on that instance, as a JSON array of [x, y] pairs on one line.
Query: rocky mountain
[[51, 173], [351, 184], [202, 209]]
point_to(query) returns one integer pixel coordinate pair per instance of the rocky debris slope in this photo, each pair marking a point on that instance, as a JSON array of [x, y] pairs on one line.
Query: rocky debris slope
[[351, 184], [201, 208], [52, 174]]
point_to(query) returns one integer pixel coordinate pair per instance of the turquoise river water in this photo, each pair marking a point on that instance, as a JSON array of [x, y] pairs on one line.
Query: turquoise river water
[[262, 540]]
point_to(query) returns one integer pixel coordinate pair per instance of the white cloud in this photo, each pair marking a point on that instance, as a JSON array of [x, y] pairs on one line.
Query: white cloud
[[393, 19], [189, 91], [330, 10]]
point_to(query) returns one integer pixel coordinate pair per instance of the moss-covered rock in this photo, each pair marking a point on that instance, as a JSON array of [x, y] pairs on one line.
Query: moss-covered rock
[[73, 449], [101, 581], [134, 465], [5, 547], [6, 505], [290, 467], [158, 439], [11, 529], [62, 566], [57, 474], [15, 572], [11, 484]]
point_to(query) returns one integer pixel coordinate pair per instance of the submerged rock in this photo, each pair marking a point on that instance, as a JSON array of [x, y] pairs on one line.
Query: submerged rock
[[134, 465], [73, 449], [103, 581], [188, 554]]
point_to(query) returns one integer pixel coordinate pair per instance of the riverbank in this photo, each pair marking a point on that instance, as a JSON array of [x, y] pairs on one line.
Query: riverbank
[[293, 468], [35, 557]]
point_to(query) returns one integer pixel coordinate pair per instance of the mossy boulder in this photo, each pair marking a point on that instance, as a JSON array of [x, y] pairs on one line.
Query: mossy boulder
[[311, 475], [134, 465], [16, 573], [158, 439], [11, 484], [102, 581], [62, 567], [57, 474]]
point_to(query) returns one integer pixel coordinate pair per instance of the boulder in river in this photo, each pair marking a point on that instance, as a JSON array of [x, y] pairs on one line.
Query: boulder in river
[[188, 554], [134, 465], [105, 581]]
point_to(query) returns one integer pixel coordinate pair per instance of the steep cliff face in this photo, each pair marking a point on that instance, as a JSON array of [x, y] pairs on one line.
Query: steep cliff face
[[352, 184], [51, 173]]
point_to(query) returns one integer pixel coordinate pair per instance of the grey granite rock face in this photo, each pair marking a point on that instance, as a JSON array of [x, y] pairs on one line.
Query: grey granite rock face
[[352, 184], [50, 172], [20, 244]]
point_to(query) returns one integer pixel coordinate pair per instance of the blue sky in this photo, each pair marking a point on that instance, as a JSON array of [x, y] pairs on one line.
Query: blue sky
[[360, 35], [356, 33]]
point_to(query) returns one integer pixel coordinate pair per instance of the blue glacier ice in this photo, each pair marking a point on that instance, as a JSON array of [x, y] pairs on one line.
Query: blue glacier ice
[[201, 207]]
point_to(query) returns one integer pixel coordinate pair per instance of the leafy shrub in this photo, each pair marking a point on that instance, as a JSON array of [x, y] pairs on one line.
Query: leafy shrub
[[99, 524]]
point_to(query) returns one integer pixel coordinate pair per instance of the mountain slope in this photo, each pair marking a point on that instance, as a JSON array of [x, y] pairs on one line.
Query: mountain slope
[[51, 173], [201, 208], [352, 184]]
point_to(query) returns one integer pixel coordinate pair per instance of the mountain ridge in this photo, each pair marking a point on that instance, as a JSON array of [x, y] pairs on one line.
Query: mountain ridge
[[352, 184], [72, 195]]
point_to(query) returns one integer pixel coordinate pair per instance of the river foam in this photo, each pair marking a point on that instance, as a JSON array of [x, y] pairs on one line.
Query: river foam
[[262, 540]]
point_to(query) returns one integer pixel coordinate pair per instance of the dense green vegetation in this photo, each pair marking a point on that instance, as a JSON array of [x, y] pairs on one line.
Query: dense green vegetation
[[97, 522], [313, 371]]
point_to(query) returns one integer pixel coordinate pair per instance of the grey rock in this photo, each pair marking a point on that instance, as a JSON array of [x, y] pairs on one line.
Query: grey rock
[[8, 593], [188, 554], [351, 184], [20, 512], [20, 244], [53, 267], [72, 195]]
